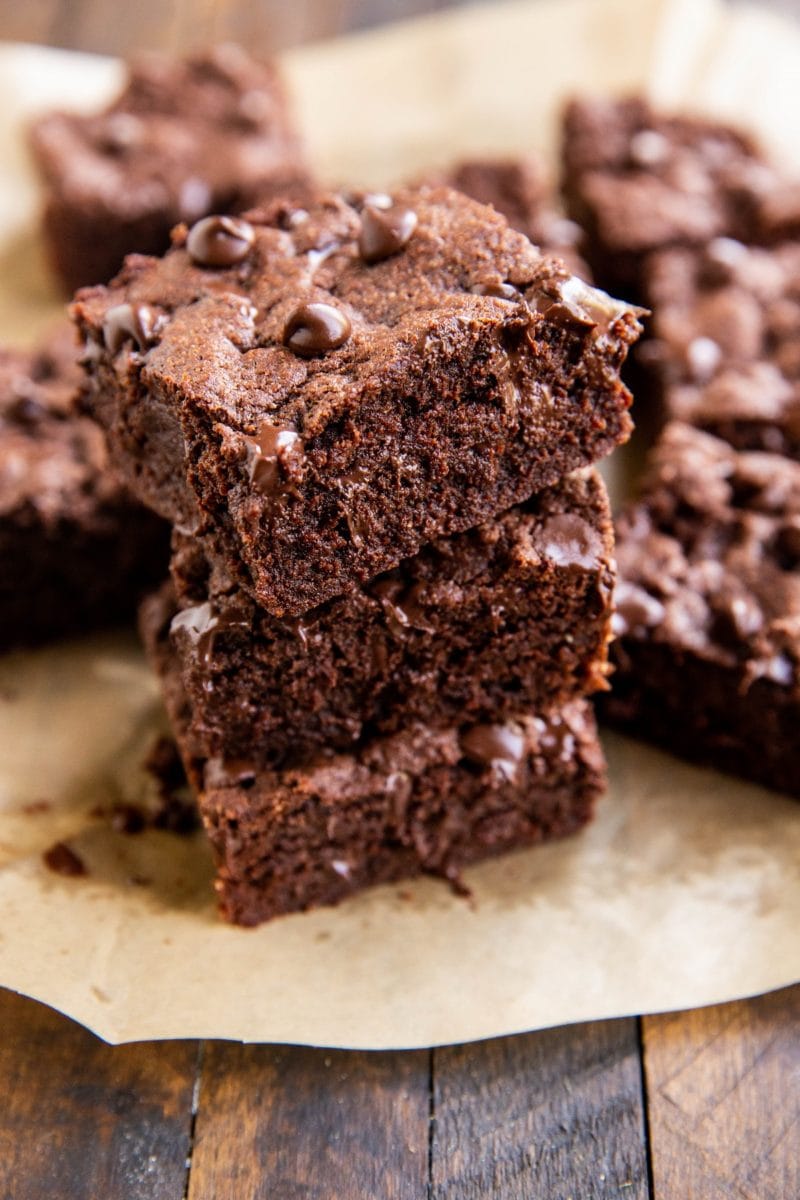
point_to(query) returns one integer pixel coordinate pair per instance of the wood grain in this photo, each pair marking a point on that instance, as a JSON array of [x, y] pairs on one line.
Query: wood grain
[[723, 1087], [287, 1123], [550, 1115], [81, 1119]]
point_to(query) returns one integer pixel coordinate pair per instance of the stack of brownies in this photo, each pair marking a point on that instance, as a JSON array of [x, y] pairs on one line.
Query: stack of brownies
[[371, 422], [689, 216]]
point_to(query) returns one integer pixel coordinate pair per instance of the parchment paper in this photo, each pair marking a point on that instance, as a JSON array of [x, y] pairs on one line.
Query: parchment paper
[[686, 890]]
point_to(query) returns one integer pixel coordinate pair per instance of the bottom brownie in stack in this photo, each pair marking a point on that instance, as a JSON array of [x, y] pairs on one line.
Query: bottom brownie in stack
[[427, 719], [708, 608], [423, 799]]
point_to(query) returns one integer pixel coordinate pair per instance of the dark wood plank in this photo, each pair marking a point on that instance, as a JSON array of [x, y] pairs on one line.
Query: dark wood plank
[[723, 1095], [549, 1115], [82, 1119], [288, 1123]]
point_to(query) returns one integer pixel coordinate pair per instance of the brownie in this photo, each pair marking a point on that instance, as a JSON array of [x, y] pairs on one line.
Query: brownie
[[420, 800], [77, 551], [350, 381], [209, 133], [725, 351], [512, 615], [637, 180], [708, 608], [517, 188]]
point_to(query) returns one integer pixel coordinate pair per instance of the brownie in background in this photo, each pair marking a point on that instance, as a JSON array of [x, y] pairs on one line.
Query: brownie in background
[[708, 608], [77, 551], [186, 137], [637, 180]]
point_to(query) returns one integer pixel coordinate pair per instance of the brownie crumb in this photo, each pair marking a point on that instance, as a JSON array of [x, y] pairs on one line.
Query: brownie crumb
[[64, 861]]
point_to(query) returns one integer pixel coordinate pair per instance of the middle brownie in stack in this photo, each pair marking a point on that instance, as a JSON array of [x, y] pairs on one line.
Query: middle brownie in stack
[[370, 422]]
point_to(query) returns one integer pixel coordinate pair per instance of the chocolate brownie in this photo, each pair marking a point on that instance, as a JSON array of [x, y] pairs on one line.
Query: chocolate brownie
[[77, 552], [319, 392], [512, 615], [421, 800], [725, 352], [517, 188], [209, 133], [637, 180], [708, 608]]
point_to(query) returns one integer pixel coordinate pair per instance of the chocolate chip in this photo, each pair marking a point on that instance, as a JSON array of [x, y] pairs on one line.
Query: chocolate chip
[[384, 231], [128, 322], [500, 746], [569, 541], [496, 289], [316, 328], [220, 241], [277, 453], [63, 861], [736, 617]]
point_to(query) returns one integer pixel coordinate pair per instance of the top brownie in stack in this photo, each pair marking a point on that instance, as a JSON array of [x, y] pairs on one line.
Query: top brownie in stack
[[210, 133], [638, 181], [317, 392]]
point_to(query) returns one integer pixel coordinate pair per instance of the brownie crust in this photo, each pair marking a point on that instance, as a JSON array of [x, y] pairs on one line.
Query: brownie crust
[[708, 608], [315, 414], [421, 801], [209, 133], [517, 188]]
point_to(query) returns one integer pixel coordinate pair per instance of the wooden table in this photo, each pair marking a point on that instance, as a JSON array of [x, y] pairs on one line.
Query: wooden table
[[701, 1105]]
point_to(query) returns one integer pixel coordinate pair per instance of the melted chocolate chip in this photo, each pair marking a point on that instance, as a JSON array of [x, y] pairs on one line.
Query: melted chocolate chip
[[63, 861], [127, 322], [278, 454], [384, 231], [499, 746], [316, 328], [203, 626], [220, 241], [403, 609], [569, 541], [496, 289]]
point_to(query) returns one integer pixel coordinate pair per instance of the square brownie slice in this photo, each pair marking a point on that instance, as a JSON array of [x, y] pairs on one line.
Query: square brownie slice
[[708, 608], [517, 188], [186, 137], [77, 551], [637, 180], [318, 392], [725, 351], [422, 800], [513, 615]]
